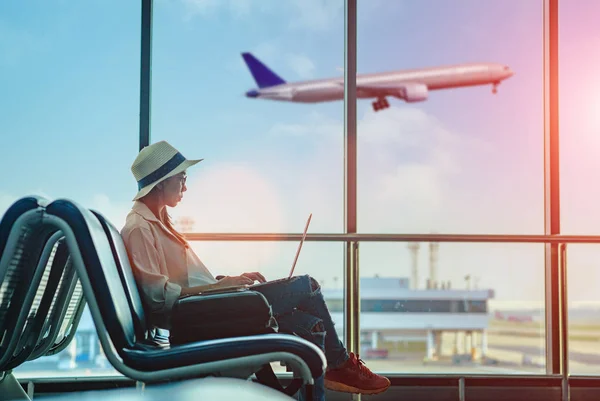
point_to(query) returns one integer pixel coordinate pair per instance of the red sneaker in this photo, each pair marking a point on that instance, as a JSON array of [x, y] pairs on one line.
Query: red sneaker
[[354, 377]]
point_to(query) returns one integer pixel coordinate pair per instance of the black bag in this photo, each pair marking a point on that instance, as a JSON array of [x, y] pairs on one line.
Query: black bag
[[221, 315], [227, 314]]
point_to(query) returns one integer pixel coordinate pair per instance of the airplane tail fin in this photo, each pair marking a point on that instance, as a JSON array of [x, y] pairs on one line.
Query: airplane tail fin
[[263, 76]]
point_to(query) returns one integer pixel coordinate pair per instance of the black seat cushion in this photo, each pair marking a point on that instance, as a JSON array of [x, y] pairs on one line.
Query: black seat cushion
[[223, 349], [127, 278], [102, 270]]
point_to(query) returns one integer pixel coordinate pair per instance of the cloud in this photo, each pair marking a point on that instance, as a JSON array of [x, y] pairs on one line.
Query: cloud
[[405, 159], [302, 65], [267, 52], [239, 9], [317, 15], [207, 8], [415, 175], [115, 212], [233, 197], [201, 7], [313, 15], [315, 124]]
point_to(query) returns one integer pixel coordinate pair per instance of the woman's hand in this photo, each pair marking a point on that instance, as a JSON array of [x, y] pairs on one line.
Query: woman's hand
[[255, 276], [233, 281], [226, 281]]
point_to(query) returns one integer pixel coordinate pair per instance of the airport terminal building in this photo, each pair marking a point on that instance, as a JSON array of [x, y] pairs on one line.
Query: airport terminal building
[[392, 312]]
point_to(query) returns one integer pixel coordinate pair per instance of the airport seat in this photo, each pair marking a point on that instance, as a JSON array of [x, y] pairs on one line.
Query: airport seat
[[25, 249], [117, 311], [64, 317], [264, 374], [52, 266], [30, 275]]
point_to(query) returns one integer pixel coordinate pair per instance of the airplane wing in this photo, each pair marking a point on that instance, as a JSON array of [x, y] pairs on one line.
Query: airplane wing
[[380, 90], [409, 91]]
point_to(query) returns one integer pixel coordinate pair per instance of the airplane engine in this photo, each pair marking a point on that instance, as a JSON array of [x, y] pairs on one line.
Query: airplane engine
[[413, 93]]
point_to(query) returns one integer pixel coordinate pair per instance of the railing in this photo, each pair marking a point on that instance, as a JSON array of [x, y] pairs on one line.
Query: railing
[[556, 308], [325, 237]]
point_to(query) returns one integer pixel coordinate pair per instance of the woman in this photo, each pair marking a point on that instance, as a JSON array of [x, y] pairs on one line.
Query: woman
[[166, 268]]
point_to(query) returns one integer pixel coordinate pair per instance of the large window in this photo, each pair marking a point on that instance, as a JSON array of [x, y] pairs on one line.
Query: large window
[[455, 145], [69, 73], [450, 140]]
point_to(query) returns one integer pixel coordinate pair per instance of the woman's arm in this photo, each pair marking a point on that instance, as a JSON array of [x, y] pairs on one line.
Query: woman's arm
[[227, 281]]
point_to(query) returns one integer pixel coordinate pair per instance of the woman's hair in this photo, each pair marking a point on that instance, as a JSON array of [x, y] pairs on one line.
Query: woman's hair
[[164, 217], [168, 222]]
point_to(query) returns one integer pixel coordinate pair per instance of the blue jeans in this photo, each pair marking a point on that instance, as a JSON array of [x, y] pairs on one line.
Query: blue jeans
[[299, 308]]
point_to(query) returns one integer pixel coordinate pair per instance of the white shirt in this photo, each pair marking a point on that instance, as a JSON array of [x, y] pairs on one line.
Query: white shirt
[[162, 263]]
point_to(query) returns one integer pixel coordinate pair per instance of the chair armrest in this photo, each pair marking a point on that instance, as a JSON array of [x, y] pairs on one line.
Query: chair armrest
[[228, 349]]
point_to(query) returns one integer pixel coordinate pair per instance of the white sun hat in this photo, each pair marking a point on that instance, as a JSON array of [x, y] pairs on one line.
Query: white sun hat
[[156, 163]]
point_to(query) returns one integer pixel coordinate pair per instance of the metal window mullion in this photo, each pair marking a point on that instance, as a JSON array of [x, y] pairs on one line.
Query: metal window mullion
[[356, 299], [564, 326], [551, 188], [350, 173], [450, 238], [145, 73]]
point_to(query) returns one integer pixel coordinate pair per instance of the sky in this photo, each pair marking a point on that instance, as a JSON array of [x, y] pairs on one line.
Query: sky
[[464, 161]]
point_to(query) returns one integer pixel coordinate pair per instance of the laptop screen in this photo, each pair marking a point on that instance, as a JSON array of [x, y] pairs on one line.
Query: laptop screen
[[300, 246]]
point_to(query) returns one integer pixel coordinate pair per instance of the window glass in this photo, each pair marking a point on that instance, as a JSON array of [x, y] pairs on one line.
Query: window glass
[[448, 155], [452, 307], [583, 272], [579, 117], [272, 144]]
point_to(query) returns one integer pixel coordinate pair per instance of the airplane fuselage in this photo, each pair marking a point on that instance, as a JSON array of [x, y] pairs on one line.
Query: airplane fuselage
[[378, 85]]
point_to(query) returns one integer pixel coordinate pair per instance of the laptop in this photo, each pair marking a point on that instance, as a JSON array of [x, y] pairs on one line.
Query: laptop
[[290, 275], [295, 259]]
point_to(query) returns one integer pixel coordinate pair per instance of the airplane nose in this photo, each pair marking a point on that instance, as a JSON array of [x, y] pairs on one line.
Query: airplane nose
[[508, 72], [252, 93]]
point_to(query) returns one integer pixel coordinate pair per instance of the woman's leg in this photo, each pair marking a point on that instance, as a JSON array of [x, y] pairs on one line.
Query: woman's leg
[[310, 328], [345, 372], [303, 293]]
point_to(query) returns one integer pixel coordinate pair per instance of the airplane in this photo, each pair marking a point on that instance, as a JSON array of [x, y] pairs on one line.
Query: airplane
[[408, 85]]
